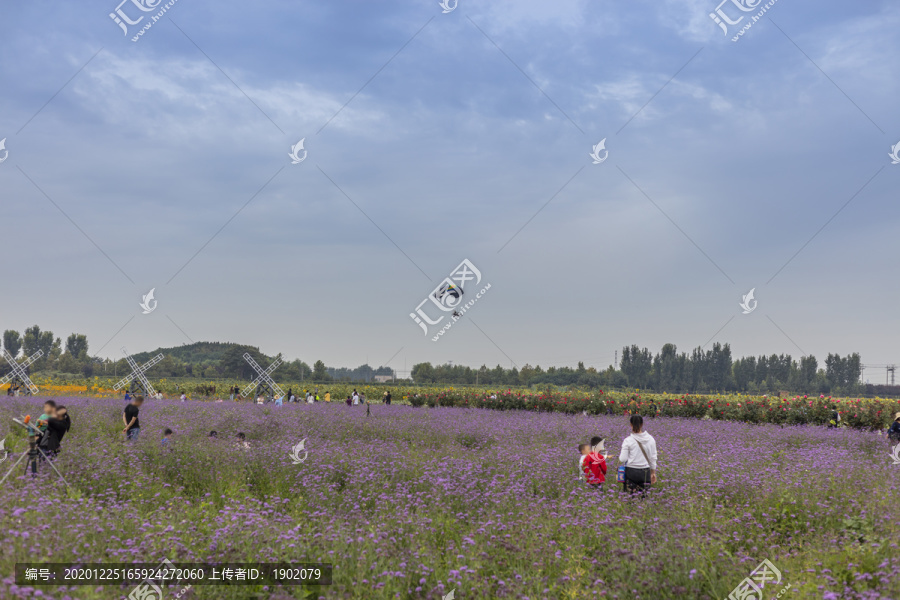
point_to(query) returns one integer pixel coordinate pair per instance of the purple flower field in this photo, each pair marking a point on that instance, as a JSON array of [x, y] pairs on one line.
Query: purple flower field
[[415, 502]]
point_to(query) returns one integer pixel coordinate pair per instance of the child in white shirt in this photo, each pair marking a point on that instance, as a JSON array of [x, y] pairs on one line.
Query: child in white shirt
[[584, 449]]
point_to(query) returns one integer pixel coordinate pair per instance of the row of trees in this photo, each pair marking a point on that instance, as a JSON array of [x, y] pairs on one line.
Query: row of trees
[[71, 359], [210, 360], [671, 371]]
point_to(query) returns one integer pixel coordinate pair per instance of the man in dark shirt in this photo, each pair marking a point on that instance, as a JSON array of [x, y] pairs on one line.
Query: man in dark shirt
[[130, 418], [57, 426]]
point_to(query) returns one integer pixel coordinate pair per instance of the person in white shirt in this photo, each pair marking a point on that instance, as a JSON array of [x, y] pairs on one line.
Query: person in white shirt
[[639, 457]]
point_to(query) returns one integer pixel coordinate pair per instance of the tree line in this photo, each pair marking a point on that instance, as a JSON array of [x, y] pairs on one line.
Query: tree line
[[670, 371], [209, 360]]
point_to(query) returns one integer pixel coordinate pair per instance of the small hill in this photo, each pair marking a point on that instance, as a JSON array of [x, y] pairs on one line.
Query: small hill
[[199, 352]]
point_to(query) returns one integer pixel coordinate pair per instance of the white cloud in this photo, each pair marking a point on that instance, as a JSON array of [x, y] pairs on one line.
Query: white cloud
[[632, 92], [690, 18], [192, 96]]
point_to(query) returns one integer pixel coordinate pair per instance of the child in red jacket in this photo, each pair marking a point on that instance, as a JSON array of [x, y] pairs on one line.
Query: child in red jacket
[[594, 464]]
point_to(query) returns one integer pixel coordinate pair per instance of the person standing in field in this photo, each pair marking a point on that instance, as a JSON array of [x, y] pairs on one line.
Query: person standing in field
[[835, 417], [327, 396], [639, 457], [894, 431], [130, 418]]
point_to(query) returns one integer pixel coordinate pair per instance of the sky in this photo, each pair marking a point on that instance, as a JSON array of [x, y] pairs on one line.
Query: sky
[[434, 134]]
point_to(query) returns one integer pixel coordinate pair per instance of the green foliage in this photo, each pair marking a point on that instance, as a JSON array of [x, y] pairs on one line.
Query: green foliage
[[12, 341], [77, 345]]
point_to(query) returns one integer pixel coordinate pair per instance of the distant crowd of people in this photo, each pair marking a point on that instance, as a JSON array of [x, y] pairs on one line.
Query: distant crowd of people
[[132, 429], [311, 397]]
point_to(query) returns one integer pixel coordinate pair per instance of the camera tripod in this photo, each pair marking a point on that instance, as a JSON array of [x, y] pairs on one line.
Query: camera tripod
[[34, 456]]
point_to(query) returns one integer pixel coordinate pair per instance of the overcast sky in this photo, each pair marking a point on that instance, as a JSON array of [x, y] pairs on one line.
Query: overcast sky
[[435, 137]]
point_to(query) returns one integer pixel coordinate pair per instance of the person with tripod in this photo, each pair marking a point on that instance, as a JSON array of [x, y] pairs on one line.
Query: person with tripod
[[130, 418], [57, 425]]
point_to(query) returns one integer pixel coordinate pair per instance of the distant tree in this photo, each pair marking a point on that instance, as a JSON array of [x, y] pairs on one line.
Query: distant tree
[[424, 373], [526, 374], [35, 340], [12, 341], [77, 345], [69, 364], [834, 370], [666, 371], [234, 365], [808, 367], [320, 372], [636, 365], [55, 353], [718, 375], [744, 373], [852, 370]]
